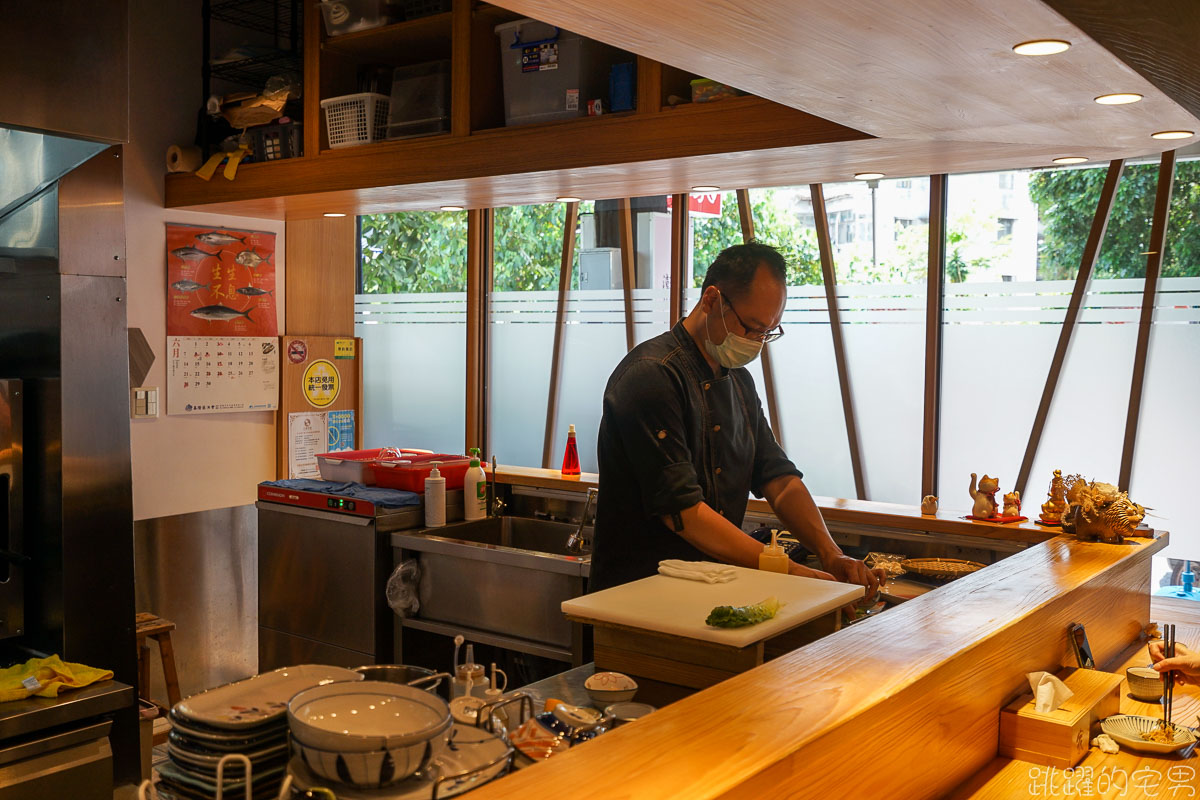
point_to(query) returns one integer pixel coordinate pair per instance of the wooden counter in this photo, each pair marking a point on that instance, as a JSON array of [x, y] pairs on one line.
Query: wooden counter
[[906, 704], [1124, 774], [835, 510]]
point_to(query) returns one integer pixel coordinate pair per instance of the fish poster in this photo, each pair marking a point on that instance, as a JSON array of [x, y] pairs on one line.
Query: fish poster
[[219, 375], [220, 282]]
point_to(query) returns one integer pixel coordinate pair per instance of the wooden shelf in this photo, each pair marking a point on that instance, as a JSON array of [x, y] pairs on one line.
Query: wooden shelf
[[412, 41], [597, 157]]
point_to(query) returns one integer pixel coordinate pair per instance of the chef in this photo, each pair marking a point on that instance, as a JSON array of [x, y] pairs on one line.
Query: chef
[[683, 439]]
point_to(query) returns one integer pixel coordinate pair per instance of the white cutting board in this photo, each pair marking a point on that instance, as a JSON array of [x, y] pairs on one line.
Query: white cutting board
[[679, 607]]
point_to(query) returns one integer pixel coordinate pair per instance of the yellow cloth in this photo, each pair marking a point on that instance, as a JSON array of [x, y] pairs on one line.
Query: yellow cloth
[[52, 673]]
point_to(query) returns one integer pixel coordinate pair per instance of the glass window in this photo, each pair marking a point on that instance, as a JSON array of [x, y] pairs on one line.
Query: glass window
[[1169, 428], [594, 341], [881, 300], [411, 315], [1000, 336], [527, 255]]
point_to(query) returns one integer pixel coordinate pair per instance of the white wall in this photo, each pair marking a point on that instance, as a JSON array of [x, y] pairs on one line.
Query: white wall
[[180, 465]]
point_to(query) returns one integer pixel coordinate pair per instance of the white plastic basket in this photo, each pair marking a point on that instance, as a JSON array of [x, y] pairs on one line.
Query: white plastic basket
[[356, 118]]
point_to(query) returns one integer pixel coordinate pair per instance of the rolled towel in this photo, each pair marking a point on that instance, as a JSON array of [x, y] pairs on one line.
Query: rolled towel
[[706, 571]]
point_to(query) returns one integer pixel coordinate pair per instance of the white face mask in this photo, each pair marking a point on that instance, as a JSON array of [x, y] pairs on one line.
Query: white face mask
[[735, 351]]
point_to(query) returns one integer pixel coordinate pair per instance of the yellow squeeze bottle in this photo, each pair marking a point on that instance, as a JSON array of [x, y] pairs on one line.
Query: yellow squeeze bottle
[[772, 558]]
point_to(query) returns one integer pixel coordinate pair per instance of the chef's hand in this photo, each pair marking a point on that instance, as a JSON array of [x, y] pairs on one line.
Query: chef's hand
[[808, 572], [1185, 664], [850, 570]]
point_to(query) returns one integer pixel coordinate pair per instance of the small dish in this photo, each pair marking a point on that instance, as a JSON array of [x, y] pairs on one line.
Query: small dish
[[465, 709], [556, 731], [606, 688], [622, 713], [1145, 683], [1127, 730]]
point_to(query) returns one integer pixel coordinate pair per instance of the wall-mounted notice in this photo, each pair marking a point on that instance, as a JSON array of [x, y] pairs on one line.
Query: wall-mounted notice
[[311, 433], [220, 282], [217, 375], [306, 438]]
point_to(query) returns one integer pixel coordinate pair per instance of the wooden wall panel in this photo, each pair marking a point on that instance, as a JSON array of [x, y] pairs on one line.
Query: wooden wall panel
[[292, 398], [321, 276]]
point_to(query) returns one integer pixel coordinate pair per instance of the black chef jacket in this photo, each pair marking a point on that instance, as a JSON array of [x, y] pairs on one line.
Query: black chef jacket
[[673, 435]]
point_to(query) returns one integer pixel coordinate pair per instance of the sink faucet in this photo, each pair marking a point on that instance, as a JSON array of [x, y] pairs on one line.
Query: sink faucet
[[575, 540], [498, 505]]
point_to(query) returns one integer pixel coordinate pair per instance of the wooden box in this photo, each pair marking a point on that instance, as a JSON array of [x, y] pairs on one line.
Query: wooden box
[[1060, 738]]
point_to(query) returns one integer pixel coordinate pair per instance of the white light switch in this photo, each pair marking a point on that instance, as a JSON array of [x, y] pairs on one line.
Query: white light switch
[[143, 402]]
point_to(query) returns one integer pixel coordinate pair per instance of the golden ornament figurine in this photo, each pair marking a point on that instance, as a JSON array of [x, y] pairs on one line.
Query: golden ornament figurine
[[1054, 508]]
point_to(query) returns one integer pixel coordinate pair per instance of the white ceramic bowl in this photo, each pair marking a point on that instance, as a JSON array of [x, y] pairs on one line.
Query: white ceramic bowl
[[606, 688], [372, 769], [365, 716], [1144, 683]]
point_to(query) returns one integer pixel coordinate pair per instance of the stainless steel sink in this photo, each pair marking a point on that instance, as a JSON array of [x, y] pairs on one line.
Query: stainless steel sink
[[521, 533], [503, 576]]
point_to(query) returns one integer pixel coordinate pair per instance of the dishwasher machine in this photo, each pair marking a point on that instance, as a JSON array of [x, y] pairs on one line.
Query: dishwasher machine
[[323, 564]]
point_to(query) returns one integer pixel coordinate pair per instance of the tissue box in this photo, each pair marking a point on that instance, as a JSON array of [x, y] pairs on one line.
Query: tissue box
[[1060, 738]]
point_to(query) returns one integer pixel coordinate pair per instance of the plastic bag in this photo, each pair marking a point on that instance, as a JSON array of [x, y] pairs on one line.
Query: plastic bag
[[401, 591], [890, 562]]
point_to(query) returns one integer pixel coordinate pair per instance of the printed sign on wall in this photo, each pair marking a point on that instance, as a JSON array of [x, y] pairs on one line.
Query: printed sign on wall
[[220, 282]]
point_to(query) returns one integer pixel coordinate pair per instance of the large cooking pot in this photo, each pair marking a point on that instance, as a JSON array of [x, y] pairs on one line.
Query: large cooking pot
[[402, 673]]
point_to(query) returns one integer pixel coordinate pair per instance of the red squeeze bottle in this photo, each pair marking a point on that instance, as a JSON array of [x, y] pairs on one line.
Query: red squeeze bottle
[[571, 457]]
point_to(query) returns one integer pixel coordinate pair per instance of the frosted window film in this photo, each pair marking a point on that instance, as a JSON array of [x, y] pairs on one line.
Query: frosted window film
[[414, 365]]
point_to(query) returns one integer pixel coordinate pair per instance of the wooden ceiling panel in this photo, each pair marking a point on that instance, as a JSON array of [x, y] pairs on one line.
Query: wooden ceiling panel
[[924, 69]]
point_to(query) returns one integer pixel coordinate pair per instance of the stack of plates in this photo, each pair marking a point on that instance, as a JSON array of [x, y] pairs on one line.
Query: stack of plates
[[248, 718]]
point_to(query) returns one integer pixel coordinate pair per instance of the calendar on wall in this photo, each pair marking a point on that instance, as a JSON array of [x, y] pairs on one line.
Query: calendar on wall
[[219, 375]]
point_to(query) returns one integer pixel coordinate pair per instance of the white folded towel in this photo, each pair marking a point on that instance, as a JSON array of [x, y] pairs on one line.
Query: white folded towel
[[706, 571]]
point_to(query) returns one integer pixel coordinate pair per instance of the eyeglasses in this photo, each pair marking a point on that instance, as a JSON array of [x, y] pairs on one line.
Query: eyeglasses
[[760, 336]]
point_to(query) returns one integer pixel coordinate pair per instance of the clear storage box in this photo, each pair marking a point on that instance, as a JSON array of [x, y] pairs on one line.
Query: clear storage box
[[355, 118], [420, 100], [348, 16], [550, 73]]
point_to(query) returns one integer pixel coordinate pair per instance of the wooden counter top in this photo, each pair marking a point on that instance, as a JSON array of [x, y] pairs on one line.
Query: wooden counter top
[[1111, 776], [905, 704], [834, 509]]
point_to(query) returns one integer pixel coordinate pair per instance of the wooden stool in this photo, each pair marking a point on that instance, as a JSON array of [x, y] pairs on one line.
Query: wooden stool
[[151, 627]]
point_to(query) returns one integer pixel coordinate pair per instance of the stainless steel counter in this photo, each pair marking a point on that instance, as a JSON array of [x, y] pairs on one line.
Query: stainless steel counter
[[21, 717], [566, 686]]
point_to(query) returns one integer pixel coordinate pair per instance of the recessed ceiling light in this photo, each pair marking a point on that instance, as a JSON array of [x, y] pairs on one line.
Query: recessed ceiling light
[[451, 208], [1118, 99], [334, 214], [1041, 47], [706, 188], [1070, 160], [867, 176], [1172, 134], [567, 199]]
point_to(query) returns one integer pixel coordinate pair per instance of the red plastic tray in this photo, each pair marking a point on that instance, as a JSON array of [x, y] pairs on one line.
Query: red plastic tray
[[351, 465], [411, 476]]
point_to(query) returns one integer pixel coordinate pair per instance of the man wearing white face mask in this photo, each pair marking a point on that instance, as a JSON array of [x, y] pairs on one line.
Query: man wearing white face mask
[[683, 440]]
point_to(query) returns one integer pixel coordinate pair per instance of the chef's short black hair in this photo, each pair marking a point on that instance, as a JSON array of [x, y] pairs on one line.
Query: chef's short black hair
[[734, 268]]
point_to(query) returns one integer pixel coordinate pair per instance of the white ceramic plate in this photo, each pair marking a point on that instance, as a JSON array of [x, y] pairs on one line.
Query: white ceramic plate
[[263, 698], [1127, 730], [190, 757], [469, 749]]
